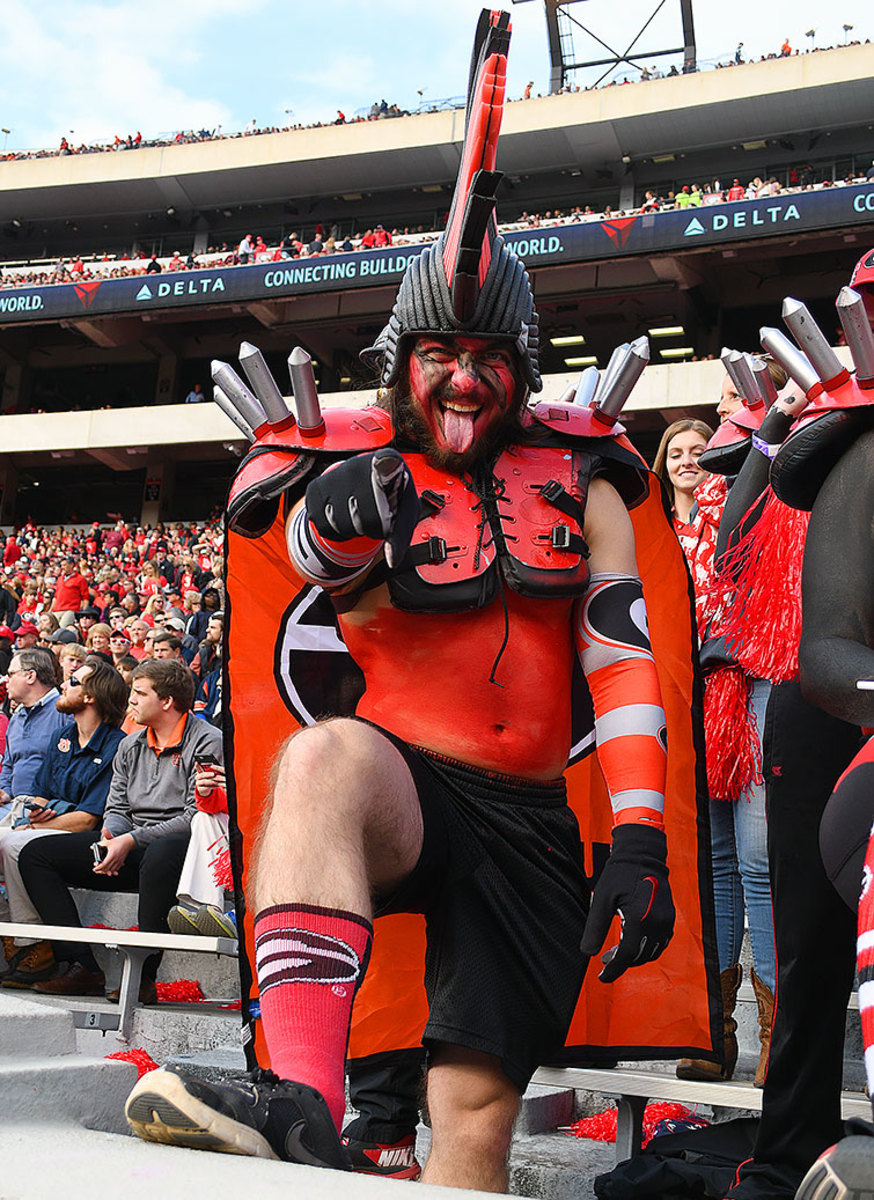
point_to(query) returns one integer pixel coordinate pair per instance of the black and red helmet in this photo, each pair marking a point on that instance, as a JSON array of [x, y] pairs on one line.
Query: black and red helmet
[[863, 272]]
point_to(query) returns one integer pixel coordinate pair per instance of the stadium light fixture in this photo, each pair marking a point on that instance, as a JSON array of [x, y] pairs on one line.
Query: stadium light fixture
[[586, 360], [6, 132], [666, 331], [847, 30], [572, 339], [677, 352]]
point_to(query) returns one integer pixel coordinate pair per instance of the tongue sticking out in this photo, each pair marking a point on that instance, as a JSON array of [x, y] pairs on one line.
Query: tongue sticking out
[[458, 429]]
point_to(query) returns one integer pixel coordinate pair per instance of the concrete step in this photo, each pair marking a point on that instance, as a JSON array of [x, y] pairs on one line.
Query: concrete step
[[87, 1092], [163, 1030], [42, 1162], [27, 1030]]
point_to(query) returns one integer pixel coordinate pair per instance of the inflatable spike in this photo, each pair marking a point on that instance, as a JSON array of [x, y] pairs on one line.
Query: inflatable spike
[[628, 369], [587, 387], [247, 405], [610, 370], [263, 384], [763, 381], [795, 363], [232, 414], [813, 343], [737, 364], [306, 396], [857, 330]]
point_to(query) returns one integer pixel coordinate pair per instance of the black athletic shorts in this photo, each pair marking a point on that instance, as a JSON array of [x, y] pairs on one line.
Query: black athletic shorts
[[501, 884]]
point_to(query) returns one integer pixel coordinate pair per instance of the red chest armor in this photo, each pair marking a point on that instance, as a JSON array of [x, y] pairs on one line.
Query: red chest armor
[[521, 522]]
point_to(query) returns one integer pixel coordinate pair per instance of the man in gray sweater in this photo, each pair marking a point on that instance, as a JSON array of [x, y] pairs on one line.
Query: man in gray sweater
[[145, 827]]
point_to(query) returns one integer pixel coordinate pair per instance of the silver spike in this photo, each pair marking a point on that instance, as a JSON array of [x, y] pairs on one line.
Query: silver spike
[[811, 339], [610, 400], [263, 384], [744, 381], [613, 364], [734, 362], [857, 330], [247, 405], [306, 396], [796, 365], [231, 413], [587, 386], [763, 380]]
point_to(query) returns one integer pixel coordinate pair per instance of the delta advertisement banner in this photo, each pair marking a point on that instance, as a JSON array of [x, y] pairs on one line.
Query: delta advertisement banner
[[641, 234]]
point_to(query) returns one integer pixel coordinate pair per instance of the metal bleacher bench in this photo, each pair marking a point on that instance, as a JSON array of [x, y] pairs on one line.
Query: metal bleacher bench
[[136, 948], [633, 1089]]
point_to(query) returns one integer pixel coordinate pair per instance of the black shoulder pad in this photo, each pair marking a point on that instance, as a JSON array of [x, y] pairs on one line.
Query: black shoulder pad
[[805, 459]]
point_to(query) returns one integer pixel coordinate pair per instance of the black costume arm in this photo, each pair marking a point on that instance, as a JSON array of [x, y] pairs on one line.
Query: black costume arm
[[751, 482], [837, 640]]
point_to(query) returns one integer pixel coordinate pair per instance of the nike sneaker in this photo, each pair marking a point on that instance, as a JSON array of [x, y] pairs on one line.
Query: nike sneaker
[[261, 1116], [392, 1160]]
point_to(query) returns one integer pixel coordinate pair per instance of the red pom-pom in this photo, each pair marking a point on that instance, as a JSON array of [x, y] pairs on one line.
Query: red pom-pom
[[602, 1126], [141, 1059], [734, 755], [221, 870], [180, 991], [599, 1128], [761, 581]]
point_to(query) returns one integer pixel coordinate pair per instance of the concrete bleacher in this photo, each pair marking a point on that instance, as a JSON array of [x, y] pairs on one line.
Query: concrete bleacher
[[55, 1081]]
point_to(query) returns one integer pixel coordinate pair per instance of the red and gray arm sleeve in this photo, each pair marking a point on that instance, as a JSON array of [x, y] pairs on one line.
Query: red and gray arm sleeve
[[612, 640], [330, 564]]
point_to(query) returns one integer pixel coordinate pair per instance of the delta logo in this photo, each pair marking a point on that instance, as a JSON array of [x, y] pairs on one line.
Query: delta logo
[[87, 291], [618, 231]]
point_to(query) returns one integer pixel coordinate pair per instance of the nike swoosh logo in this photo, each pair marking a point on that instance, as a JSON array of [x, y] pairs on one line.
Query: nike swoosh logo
[[297, 1151]]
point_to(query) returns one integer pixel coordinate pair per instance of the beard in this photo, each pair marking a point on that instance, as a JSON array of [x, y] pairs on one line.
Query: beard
[[69, 704], [411, 425]]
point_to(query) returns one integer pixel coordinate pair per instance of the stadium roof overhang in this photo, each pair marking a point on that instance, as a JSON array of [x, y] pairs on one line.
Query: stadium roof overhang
[[805, 98]]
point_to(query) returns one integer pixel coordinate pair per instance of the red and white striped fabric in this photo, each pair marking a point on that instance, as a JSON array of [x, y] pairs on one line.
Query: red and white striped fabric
[[865, 961]]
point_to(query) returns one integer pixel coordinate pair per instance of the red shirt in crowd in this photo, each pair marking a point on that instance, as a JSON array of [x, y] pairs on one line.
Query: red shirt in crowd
[[70, 593]]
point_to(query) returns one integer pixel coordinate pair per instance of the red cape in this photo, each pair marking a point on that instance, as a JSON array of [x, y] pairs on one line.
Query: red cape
[[295, 669]]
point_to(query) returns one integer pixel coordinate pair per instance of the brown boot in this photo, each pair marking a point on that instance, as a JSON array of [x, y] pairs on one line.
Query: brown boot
[[9, 949], [765, 1002], [29, 965], [698, 1069]]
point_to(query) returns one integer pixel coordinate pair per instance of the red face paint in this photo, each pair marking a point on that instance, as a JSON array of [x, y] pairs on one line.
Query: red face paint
[[463, 390]]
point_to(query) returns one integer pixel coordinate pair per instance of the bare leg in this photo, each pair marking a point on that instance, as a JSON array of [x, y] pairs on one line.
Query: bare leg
[[344, 822], [473, 1106]]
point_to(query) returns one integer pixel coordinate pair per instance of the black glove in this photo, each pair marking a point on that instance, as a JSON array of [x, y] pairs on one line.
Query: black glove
[[634, 883], [370, 495]]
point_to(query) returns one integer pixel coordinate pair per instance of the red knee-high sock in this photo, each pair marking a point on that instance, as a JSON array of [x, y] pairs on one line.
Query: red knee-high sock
[[865, 962], [308, 961]]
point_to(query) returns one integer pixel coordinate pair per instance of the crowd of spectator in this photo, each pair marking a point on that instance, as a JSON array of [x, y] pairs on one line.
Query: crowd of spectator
[[327, 240], [110, 713], [381, 110]]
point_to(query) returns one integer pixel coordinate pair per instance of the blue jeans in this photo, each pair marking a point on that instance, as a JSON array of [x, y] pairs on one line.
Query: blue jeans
[[739, 845]]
